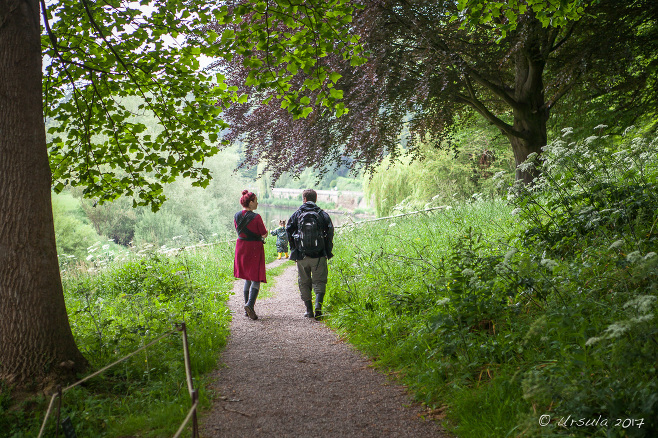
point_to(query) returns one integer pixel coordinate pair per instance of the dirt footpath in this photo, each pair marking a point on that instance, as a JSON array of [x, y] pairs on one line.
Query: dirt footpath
[[287, 376]]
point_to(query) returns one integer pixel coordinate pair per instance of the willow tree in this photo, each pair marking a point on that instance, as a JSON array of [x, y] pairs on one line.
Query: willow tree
[[98, 56], [433, 63]]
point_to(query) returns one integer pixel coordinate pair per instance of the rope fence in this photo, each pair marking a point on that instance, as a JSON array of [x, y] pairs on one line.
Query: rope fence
[[443, 207], [170, 251], [192, 414]]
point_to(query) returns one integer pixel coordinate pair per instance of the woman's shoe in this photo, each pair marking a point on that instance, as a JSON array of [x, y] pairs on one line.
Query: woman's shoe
[[250, 312]]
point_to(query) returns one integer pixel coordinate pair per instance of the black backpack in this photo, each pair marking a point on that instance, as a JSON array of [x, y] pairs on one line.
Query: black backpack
[[310, 234]]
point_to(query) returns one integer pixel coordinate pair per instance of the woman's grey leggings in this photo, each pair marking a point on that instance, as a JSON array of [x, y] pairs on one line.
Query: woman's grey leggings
[[250, 291]]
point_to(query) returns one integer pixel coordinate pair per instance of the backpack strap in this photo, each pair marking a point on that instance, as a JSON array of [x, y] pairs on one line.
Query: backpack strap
[[241, 222]]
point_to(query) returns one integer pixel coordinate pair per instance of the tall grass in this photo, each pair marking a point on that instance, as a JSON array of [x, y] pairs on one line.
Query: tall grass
[[504, 311], [119, 304]]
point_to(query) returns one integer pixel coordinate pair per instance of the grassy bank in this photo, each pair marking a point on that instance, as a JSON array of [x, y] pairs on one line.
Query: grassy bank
[[117, 306], [501, 312]]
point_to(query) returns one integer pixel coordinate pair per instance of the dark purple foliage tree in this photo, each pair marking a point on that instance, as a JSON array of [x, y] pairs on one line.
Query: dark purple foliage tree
[[429, 67]]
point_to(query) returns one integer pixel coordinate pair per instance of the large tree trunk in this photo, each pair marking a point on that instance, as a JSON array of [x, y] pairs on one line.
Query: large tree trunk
[[533, 140], [531, 115], [36, 343]]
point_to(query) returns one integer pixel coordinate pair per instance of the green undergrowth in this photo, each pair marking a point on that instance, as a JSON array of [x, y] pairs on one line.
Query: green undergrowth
[[504, 311], [121, 307]]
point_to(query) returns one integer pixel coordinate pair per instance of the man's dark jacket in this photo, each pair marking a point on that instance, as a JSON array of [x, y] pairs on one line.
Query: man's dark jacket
[[328, 231]]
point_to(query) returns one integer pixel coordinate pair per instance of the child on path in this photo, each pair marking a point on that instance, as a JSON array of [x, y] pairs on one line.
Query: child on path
[[281, 239]]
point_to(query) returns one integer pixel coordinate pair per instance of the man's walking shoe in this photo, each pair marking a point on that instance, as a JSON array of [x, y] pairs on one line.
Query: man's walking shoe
[[309, 309], [318, 314], [250, 312]]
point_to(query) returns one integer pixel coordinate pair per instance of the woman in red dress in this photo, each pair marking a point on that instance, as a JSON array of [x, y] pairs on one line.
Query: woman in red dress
[[249, 263]]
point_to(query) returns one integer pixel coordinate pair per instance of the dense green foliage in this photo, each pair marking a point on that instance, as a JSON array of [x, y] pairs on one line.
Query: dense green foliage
[[504, 16], [117, 303], [72, 228], [100, 81], [191, 214], [506, 311], [470, 163]]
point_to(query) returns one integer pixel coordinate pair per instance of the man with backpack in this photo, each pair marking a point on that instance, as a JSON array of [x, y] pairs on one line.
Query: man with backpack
[[311, 236]]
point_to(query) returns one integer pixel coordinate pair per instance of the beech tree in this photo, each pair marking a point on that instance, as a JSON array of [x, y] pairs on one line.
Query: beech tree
[[433, 63], [97, 56]]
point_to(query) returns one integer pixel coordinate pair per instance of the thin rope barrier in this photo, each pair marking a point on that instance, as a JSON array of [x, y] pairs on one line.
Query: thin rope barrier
[[190, 386], [50, 408], [442, 207], [187, 419], [55, 395], [119, 361]]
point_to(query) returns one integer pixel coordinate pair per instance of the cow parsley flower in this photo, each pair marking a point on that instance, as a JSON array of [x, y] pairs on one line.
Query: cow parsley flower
[[616, 244], [634, 256], [549, 263]]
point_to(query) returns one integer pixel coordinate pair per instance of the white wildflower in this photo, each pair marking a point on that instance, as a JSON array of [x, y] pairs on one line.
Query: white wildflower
[[649, 255], [592, 341], [600, 126], [525, 166], [634, 256], [617, 329], [591, 138], [567, 131], [642, 303], [510, 254], [516, 211], [443, 301], [498, 175], [549, 263], [392, 224], [642, 318]]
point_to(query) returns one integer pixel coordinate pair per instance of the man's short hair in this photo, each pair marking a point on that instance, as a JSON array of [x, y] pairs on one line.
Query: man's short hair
[[310, 195]]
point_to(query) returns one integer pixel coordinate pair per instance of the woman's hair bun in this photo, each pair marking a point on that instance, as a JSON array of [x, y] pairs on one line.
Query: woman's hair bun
[[244, 192]]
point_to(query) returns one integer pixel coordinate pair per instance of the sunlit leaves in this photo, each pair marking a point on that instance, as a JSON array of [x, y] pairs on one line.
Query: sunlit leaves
[[504, 15], [278, 39], [111, 64]]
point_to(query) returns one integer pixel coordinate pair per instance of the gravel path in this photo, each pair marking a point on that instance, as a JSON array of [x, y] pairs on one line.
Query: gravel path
[[287, 376]]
